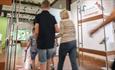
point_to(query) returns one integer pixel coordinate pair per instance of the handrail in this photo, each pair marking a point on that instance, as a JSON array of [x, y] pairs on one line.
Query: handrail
[[97, 52]]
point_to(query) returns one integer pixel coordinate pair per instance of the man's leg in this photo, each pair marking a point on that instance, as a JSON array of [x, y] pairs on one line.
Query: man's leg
[[52, 64], [38, 62], [52, 58], [43, 59], [38, 59], [48, 64], [49, 58], [52, 61], [43, 66]]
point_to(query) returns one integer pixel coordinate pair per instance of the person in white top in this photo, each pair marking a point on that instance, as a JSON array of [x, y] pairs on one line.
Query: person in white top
[[68, 41]]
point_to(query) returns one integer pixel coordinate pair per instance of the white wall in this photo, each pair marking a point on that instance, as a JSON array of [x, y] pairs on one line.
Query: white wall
[[56, 13], [74, 15]]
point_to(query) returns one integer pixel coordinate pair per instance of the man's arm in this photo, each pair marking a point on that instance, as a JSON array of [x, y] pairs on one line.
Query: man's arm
[[37, 29], [57, 30], [107, 21]]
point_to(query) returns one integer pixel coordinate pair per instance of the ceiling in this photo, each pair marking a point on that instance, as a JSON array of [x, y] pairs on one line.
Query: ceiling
[[29, 8], [37, 1]]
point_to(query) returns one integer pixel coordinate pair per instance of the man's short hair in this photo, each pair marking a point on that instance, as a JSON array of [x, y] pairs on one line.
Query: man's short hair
[[45, 4]]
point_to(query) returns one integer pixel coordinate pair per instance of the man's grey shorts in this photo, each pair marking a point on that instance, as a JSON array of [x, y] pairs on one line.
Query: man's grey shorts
[[45, 54]]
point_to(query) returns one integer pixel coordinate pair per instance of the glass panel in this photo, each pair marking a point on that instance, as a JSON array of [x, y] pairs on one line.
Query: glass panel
[[94, 49]]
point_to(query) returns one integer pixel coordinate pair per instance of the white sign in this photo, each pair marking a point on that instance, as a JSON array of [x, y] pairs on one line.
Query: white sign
[[90, 8]]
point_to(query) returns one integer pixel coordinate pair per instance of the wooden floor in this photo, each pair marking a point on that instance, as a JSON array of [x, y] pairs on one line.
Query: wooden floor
[[21, 65]]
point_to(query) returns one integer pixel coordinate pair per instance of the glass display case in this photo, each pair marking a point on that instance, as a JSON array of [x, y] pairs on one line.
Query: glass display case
[[21, 34]]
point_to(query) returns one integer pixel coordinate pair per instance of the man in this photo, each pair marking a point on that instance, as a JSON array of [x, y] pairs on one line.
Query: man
[[107, 21], [45, 28]]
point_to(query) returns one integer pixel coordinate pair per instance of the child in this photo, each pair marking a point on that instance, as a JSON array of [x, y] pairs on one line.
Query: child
[[33, 47]]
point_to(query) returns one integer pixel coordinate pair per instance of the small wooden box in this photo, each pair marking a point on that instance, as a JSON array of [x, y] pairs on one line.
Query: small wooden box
[[23, 44], [2, 65]]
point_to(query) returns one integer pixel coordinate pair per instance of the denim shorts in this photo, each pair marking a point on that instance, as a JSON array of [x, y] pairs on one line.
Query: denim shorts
[[33, 54], [45, 54], [53, 52]]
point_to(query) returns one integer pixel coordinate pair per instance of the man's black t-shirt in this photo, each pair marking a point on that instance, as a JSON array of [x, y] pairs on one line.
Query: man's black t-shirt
[[46, 35]]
